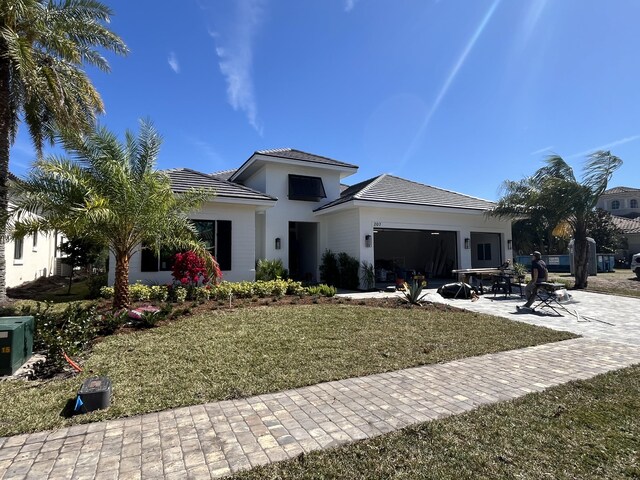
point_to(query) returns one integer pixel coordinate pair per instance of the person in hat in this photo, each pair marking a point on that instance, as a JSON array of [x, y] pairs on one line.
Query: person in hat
[[539, 274]]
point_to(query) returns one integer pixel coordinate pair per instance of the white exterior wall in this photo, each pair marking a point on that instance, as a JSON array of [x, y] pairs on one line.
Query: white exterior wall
[[277, 218], [242, 245], [421, 219], [342, 233], [36, 262], [604, 202]]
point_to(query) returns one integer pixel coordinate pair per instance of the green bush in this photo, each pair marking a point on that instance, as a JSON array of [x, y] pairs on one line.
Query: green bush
[[270, 269], [139, 292], [294, 288], [107, 292], [159, 292], [413, 292], [202, 293], [322, 290], [95, 284], [180, 294], [349, 268], [69, 331], [329, 270]]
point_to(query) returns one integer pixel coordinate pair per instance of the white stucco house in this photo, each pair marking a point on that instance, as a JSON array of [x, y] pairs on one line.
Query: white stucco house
[[292, 205]]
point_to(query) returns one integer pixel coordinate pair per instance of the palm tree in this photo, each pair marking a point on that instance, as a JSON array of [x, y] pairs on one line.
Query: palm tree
[[112, 191], [573, 202], [43, 46]]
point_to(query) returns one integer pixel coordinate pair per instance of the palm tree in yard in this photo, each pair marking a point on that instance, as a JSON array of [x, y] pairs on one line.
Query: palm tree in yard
[[573, 201], [43, 46], [111, 190]]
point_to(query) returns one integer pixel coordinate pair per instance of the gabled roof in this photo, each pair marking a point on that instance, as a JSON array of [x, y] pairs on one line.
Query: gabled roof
[[294, 154], [184, 179], [290, 154], [390, 189], [627, 225], [618, 190]]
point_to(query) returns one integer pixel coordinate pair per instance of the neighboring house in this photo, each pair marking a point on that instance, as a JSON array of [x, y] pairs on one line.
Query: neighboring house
[[631, 229], [30, 257], [291, 205], [621, 202]]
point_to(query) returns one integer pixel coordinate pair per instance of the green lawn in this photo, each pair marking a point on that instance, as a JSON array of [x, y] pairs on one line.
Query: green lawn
[[248, 351], [581, 430]]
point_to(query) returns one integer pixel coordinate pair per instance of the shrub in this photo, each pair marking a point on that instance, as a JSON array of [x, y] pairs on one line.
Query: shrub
[[139, 292], [159, 292], [202, 293], [270, 269], [180, 294], [69, 331], [95, 284], [107, 292], [329, 270], [294, 288], [322, 290], [368, 275], [189, 269], [413, 293], [349, 269]]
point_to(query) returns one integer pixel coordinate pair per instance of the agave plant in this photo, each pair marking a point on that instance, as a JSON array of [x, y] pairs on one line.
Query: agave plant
[[413, 293]]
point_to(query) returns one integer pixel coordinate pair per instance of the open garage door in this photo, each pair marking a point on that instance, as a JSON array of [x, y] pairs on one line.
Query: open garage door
[[403, 253]]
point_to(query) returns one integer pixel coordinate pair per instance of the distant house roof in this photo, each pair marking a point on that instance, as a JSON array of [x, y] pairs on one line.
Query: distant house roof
[[184, 179], [390, 189], [284, 155], [627, 225], [618, 190]]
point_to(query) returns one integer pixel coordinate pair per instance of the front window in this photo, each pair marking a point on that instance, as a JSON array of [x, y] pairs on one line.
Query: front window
[[216, 234], [484, 251], [305, 188], [35, 240], [615, 205], [633, 203]]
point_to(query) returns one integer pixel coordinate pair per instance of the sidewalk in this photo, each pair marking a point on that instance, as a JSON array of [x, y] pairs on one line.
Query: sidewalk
[[219, 438]]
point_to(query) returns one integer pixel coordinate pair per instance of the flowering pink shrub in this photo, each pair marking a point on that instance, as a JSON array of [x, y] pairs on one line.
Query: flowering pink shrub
[[190, 270]]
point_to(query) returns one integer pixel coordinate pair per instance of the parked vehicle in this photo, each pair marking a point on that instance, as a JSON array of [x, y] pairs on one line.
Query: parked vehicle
[[635, 264]]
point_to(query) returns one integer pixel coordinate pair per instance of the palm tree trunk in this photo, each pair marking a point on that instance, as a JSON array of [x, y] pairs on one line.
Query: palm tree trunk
[[121, 285], [6, 117], [581, 261]]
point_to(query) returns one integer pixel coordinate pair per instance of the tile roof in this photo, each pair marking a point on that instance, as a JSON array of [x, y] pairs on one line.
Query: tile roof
[[390, 189], [627, 225], [303, 156], [617, 190], [223, 174], [183, 179]]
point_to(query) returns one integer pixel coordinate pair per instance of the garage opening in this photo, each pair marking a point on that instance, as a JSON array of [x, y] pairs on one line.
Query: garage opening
[[401, 254]]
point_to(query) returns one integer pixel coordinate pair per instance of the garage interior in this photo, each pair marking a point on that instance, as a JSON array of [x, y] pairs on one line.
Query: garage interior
[[401, 254]]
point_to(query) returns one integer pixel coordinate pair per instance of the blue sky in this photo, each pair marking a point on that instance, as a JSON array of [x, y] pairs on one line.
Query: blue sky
[[460, 94]]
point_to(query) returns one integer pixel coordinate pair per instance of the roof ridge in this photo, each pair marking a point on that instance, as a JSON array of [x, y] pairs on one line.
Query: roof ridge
[[373, 181], [441, 189]]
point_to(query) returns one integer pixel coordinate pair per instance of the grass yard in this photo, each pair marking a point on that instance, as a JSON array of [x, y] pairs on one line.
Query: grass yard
[[248, 351], [620, 282], [581, 430]]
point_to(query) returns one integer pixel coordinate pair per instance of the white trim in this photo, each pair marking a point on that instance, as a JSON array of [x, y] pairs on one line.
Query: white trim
[[399, 206]]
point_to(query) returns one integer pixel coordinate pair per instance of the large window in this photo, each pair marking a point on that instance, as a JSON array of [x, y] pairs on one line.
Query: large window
[[216, 234], [615, 205], [306, 188]]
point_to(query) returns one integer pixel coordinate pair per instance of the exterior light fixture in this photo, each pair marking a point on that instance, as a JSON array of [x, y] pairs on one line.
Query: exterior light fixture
[[278, 243], [367, 241], [510, 244], [467, 243]]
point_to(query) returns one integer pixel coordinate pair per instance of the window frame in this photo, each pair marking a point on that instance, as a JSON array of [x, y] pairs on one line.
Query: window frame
[[302, 196], [633, 203], [615, 204], [18, 250]]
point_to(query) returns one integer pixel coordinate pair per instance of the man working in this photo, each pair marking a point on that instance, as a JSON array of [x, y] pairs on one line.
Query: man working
[[539, 274]]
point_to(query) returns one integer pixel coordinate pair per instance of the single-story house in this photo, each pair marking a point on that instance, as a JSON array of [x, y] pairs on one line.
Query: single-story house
[[291, 205]]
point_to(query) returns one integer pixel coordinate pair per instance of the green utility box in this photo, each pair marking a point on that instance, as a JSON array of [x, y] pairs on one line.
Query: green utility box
[[16, 343]]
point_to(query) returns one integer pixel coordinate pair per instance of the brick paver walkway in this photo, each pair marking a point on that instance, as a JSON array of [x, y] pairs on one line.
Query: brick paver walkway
[[219, 438]]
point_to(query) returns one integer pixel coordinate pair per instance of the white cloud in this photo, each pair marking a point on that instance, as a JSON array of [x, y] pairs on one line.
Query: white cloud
[[173, 62], [235, 54], [606, 146], [543, 150], [349, 4]]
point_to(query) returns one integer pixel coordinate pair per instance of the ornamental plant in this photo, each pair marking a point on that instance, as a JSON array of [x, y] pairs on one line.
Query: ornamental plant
[[191, 270]]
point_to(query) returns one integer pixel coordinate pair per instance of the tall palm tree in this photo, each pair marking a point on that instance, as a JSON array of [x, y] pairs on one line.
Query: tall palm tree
[[111, 190], [572, 201], [43, 46]]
